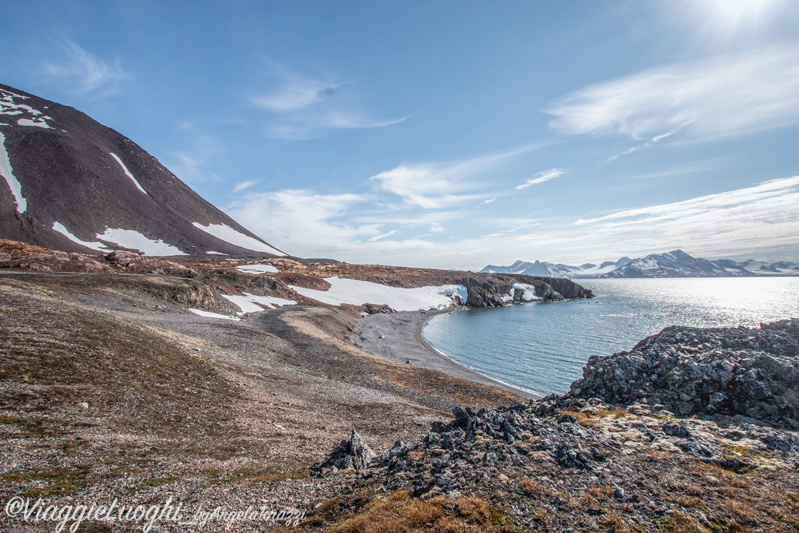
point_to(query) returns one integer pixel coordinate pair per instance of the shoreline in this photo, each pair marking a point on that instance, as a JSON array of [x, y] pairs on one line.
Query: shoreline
[[398, 338]]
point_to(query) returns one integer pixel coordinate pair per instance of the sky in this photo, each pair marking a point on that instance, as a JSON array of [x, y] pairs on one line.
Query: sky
[[449, 134]]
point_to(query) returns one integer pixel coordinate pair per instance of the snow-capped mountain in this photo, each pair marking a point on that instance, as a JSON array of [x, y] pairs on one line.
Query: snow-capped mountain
[[674, 264], [69, 183], [557, 270], [553, 270]]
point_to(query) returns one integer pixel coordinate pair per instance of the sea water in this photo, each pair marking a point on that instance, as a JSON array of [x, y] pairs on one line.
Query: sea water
[[543, 347]]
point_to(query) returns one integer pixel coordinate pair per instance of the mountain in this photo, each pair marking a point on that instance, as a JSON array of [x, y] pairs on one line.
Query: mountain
[[70, 183], [674, 264], [538, 268], [557, 270]]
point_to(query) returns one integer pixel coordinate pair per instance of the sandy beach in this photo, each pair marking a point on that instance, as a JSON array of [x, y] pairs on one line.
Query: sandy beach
[[398, 338]]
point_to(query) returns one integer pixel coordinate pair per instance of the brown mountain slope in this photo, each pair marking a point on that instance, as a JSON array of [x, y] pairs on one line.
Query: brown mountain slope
[[67, 179]]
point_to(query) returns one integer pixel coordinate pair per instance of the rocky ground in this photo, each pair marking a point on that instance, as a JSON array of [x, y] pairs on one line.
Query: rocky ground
[[110, 388], [692, 371]]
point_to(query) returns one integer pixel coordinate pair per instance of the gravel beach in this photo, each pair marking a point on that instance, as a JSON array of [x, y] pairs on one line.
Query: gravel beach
[[398, 338]]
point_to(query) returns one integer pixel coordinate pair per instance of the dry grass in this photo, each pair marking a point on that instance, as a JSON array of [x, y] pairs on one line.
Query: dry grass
[[615, 523], [592, 418], [400, 513]]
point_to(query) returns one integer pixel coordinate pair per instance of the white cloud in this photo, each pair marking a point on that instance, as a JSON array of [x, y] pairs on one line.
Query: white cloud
[[301, 221], [760, 222], [383, 236], [311, 124], [541, 177], [436, 185], [244, 185], [84, 72], [303, 107], [294, 92], [421, 185], [729, 95]]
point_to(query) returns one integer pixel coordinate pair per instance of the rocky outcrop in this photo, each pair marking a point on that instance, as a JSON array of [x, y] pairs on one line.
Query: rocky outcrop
[[683, 414], [350, 454], [752, 372], [551, 451], [496, 290]]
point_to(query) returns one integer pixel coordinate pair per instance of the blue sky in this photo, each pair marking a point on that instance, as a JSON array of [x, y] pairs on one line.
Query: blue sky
[[449, 134]]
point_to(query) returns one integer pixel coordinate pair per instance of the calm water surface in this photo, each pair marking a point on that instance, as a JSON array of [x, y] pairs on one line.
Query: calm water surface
[[543, 347]]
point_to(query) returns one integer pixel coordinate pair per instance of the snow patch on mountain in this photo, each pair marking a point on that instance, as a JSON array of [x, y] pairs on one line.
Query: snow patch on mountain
[[128, 172], [256, 269], [229, 235], [357, 292], [9, 105], [251, 303], [8, 174], [37, 122], [128, 238], [209, 314], [124, 238], [96, 246]]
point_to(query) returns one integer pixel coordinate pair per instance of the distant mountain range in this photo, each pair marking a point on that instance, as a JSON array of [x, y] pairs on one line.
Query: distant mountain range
[[69, 183], [674, 264]]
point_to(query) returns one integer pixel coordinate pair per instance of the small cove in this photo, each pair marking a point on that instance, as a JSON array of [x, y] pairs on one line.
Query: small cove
[[543, 347]]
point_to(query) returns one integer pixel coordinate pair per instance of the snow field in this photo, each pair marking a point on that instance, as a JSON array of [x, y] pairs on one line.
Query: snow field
[[249, 303], [356, 292]]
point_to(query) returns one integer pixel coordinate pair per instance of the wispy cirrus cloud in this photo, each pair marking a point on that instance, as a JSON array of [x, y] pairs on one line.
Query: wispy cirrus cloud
[[760, 222], [303, 106], [294, 91], [438, 185], [244, 185], [541, 177], [84, 72], [724, 96]]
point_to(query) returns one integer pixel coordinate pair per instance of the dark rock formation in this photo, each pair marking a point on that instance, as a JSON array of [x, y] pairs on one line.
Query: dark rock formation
[[353, 453], [496, 290], [718, 371]]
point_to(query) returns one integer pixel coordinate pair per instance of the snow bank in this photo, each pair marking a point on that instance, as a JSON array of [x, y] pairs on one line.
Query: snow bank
[[128, 238], [96, 246], [128, 173], [529, 292], [9, 106], [229, 235], [39, 122], [209, 314], [249, 302], [125, 238], [256, 269], [8, 173], [356, 292]]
